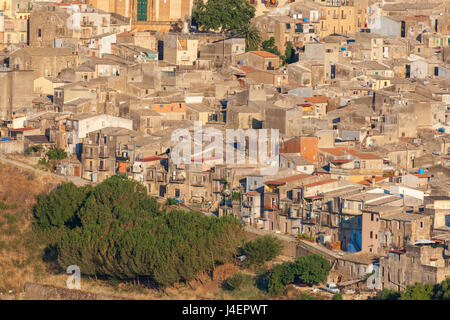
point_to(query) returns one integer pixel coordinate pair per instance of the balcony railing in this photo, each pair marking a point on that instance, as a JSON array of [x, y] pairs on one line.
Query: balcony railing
[[177, 178], [103, 153], [271, 3], [271, 206]]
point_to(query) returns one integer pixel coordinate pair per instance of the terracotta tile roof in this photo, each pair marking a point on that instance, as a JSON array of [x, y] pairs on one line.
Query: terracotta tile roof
[[421, 175], [341, 151], [319, 183], [333, 151], [295, 177], [125, 34], [153, 158], [24, 129], [368, 182], [317, 99], [247, 69], [264, 54]]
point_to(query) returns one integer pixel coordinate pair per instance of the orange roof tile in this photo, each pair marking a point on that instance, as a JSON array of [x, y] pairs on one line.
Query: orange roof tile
[[125, 34], [340, 151], [319, 183], [368, 182], [247, 69], [264, 54], [295, 177], [317, 99], [421, 175]]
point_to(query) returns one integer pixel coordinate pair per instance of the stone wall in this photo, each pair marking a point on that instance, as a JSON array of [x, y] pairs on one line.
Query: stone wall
[[11, 147]]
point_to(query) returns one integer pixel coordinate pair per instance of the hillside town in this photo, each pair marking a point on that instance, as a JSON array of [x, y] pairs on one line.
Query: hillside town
[[332, 132]]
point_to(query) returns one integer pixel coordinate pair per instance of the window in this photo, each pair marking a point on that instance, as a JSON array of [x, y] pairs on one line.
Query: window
[[141, 10], [421, 225], [39, 33], [371, 234], [371, 217]]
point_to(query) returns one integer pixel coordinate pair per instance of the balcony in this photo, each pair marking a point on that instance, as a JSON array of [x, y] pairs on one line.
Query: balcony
[[103, 168], [177, 178], [160, 177], [271, 206], [104, 153], [198, 180], [217, 175], [85, 23], [198, 183], [271, 3], [309, 220], [122, 156]]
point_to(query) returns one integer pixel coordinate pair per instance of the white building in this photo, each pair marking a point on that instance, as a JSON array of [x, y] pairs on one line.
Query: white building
[[80, 125]]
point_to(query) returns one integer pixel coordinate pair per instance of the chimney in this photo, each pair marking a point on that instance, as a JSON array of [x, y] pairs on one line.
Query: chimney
[[373, 181]]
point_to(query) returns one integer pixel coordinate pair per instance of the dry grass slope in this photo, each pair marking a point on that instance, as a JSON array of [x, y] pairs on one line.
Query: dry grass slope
[[20, 255]]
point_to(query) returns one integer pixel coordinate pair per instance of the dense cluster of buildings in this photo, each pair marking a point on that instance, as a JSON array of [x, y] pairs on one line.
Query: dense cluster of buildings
[[360, 167]]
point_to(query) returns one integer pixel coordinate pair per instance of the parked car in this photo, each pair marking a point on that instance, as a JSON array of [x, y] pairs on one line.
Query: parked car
[[331, 287]]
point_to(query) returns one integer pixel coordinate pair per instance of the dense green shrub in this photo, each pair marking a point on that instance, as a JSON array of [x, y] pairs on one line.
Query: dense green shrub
[[338, 296], [387, 294], [56, 153], [238, 281], [116, 230], [60, 206], [311, 269], [418, 291], [261, 250]]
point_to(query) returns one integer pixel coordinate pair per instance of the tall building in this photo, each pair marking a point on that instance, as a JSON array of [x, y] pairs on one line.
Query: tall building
[[148, 14], [342, 16]]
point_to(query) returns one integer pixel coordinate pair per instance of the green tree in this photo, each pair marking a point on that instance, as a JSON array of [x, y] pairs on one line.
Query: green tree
[[311, 269], [116, 230], [170, 202], [238, 281], [279, 277], [252, 36], [289, 53], [387, 294], [59, 207], [236, 196], [261, 250], [269, 46], [225, 16], [56, 153], [418, 291], [338, 296], [442, 290]]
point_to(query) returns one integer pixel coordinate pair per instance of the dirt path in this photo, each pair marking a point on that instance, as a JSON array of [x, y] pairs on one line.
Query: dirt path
[[76, 180]]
